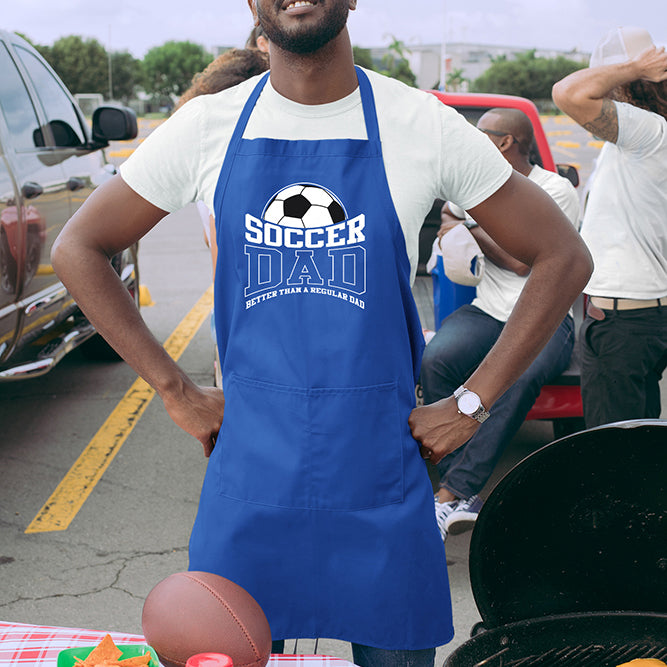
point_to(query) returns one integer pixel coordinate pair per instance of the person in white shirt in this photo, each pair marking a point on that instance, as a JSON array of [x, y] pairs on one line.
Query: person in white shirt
[[467, 334], [622, 99]]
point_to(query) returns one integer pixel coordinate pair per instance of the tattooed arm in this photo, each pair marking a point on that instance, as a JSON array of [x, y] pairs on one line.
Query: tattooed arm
[[584, 95], [605, 126]]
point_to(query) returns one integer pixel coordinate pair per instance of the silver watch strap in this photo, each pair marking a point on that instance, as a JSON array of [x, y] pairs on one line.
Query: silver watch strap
[[481, 414]]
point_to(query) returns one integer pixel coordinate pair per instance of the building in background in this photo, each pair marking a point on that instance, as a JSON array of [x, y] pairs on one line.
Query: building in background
[[471, 60]]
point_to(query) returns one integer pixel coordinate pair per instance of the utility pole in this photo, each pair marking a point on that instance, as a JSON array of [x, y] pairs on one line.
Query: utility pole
[[443, 48], [110, 68]]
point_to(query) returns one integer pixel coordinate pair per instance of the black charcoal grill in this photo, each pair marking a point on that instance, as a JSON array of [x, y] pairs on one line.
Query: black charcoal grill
[[568, 559]]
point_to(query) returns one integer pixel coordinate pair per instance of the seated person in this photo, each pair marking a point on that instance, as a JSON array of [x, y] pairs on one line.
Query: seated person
[[467, 334]]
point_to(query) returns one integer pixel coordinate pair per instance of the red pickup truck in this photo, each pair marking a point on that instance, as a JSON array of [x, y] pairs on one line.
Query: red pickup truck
[[559, 402]]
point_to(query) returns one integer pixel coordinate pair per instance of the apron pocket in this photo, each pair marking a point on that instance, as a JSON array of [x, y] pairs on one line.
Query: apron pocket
[[355, 442], [332, 449]]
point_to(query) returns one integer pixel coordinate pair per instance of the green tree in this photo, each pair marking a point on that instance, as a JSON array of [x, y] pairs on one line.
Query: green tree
[[82, 64], [455, 80], [126, 75], [362, 57], [526, 76], [168, 69], [396, 65]]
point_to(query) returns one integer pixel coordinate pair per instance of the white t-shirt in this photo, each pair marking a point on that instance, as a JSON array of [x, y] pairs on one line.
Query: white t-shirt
[[430, 151], [625, 222], [500, 288]]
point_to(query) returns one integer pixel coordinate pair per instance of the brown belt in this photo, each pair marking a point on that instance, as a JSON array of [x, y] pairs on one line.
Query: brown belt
[[608, 303]]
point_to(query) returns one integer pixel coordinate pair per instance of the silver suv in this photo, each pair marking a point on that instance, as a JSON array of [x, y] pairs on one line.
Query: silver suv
[[50, 161]]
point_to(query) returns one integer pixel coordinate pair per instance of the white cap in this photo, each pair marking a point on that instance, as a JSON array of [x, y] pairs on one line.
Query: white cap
[[462, 258], [620, 45]]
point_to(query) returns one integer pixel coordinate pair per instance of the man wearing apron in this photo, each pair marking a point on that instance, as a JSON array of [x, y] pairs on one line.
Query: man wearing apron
[[316, 498]]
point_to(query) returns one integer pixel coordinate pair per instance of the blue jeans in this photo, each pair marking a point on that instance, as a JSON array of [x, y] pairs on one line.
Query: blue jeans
[[367, 656], [463, 340]]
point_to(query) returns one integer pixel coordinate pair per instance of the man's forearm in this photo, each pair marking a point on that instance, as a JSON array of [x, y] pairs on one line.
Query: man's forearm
[[102, 297], [597, 82], [536, 315], [112, 218], [526, 223], [107, 304], [582, 94]]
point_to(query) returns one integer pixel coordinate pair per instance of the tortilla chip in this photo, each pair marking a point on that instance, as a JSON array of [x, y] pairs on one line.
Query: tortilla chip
[[138, 661], [105, 652]]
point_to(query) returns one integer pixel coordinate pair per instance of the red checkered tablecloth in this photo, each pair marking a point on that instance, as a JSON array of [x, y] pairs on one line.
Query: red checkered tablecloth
[[39, 645]]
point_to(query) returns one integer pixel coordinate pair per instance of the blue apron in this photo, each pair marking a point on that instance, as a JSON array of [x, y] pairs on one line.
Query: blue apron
[[316, 499]]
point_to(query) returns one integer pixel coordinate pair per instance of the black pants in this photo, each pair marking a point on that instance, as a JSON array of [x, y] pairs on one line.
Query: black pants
[[622, 360]]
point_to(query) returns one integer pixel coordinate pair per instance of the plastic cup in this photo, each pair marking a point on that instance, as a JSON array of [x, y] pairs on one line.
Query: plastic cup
[[209, 660]]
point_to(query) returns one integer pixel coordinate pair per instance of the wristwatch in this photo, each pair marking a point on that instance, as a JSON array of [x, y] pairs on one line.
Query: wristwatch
[[470, 404], [469, 223]]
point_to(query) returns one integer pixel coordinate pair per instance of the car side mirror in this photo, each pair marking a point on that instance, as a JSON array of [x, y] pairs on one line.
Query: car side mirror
[[114, 123], [570, 172], [63, 135]]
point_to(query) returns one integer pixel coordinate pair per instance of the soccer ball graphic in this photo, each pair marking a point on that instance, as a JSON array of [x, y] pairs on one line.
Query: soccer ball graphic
[[304, 205]]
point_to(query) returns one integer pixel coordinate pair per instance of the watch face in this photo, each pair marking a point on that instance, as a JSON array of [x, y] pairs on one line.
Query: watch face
[[468, 403]]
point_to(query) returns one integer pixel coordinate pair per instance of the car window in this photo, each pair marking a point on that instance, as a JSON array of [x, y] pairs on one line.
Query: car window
[[16, 105], [60, 113]]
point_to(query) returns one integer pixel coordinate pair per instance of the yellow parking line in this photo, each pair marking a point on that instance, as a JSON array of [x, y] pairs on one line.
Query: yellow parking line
[[45, 270], [123, 152], [69, 496], [568, 144]]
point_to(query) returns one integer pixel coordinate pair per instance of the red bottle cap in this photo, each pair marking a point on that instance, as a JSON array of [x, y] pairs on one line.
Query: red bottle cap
[[209, 660]]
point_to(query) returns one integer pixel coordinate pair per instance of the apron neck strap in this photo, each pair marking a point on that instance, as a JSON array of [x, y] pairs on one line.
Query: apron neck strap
[[368, 104], [247, 110]]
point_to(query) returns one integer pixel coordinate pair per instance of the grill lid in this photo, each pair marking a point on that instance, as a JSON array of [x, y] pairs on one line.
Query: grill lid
[[578, 526]]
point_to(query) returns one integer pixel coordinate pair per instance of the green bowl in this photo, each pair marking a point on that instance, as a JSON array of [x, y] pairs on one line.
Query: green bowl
[[67, 657]]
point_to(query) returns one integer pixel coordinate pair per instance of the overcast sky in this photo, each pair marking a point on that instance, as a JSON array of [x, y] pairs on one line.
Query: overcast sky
[[136, 26]]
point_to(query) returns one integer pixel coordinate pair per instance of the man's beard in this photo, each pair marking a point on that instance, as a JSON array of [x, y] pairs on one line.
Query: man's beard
[[301, 40]]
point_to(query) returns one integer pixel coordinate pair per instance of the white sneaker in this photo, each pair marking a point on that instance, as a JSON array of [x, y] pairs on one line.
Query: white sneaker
[[463, 516], [442, 513]]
